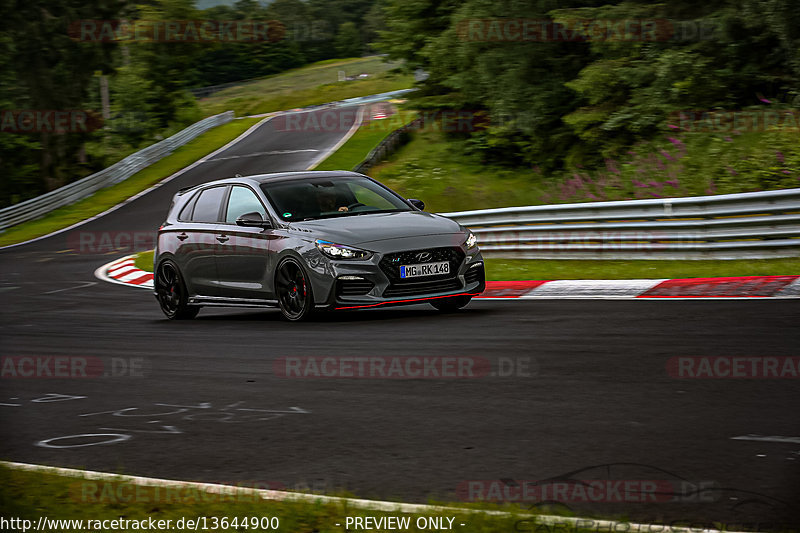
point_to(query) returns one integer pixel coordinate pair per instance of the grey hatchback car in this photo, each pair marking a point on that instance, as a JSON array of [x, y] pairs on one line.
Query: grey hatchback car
[[307, 241]]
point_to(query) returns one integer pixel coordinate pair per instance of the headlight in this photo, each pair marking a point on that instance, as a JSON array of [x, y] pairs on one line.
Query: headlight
[[339, 251], [471, 241]]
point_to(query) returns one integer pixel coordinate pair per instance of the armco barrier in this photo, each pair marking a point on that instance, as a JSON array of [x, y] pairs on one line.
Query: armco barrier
[[386, 147], [734, 226], [120, 171]]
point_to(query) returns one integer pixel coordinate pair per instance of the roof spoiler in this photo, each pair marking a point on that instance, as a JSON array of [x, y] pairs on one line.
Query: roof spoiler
[[187, 189]]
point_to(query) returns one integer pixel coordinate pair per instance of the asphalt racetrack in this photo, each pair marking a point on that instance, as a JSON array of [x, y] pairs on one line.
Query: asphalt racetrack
[[578, 390]]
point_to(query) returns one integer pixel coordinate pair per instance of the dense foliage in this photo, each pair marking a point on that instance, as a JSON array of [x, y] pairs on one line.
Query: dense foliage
[[567, 102], [565, 105], [46, 64]]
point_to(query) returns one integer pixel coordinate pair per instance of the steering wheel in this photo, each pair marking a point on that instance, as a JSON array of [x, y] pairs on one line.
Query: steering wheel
[[354, 205]]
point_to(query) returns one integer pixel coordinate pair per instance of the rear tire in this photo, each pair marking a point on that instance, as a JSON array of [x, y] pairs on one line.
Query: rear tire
[[172, 294], [293, 289], [448, 305]]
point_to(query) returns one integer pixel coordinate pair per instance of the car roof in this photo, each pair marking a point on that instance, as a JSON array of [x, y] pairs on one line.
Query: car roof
[[258, 179], [303, 174]]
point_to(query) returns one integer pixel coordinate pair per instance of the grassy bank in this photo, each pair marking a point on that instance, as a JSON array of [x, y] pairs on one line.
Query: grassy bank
[[524, 269], [367, 137], [310, 85], [29, 496], [433, 170], [448, 177], [111, 196]]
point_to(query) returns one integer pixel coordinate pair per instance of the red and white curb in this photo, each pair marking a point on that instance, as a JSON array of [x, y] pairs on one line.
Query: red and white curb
[[124, 272], [694, 288]]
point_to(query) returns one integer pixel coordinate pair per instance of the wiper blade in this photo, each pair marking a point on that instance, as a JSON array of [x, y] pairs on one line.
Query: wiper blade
[[356, 213]]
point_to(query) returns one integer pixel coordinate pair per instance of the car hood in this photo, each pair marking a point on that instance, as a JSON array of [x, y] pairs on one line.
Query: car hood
[[361, 230]]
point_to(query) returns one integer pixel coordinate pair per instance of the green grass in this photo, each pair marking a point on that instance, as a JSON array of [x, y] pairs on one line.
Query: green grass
[[367, 137], [536, 269], [527, 269], [144, 261], [439, 170], [433, 170], [310, 85], [29, 495], [111, 196]]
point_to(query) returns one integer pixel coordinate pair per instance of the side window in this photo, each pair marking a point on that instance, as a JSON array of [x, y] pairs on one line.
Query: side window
[[243, 201], [186, 212], [206, 208]]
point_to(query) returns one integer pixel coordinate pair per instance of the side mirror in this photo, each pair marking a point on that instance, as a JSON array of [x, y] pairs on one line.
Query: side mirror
[[253, 220], [419, 204]]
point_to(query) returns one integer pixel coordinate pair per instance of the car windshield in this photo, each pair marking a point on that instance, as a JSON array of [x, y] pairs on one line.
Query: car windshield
[[324, 198]]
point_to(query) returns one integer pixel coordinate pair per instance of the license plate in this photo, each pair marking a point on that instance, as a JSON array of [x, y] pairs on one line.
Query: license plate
[[425, 269]]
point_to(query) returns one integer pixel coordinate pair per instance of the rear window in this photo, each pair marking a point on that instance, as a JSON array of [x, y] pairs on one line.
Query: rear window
[[186, 212], [207, 206]]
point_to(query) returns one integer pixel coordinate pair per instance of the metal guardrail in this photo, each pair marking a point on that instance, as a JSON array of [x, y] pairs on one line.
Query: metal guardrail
[[119, 171], [386, 147], [734, 226]]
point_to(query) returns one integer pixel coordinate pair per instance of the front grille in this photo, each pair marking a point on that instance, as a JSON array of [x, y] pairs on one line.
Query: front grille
[[353, 287], [390, 264], [474, 274], [422, 287]]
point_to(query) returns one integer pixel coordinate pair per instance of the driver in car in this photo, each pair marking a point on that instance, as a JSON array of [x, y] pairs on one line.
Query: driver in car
[[327, 202]]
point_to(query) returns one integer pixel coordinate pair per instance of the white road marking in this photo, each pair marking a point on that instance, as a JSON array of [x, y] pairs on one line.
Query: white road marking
[[773, 438], [83, 284], [356, 124], [256, 154]]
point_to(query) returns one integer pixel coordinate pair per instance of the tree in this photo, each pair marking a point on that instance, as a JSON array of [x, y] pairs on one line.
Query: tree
[[348, 40]]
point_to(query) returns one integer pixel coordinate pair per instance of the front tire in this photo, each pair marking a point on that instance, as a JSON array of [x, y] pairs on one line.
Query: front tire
[[172, 294], [293, 289], [448, 305]]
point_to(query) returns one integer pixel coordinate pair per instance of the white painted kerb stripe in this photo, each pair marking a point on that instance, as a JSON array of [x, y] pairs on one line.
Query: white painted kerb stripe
[[375, 505], [119, 272], [589, 288]]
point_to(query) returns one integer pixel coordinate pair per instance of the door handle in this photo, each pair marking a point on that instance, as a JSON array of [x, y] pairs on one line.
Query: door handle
[[222, 238], [182, 236]]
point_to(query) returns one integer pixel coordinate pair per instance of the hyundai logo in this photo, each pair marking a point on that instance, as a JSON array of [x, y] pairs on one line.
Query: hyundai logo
[[424, 257]]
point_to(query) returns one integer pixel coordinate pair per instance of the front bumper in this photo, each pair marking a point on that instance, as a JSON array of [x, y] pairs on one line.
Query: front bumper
[[373, 283]]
